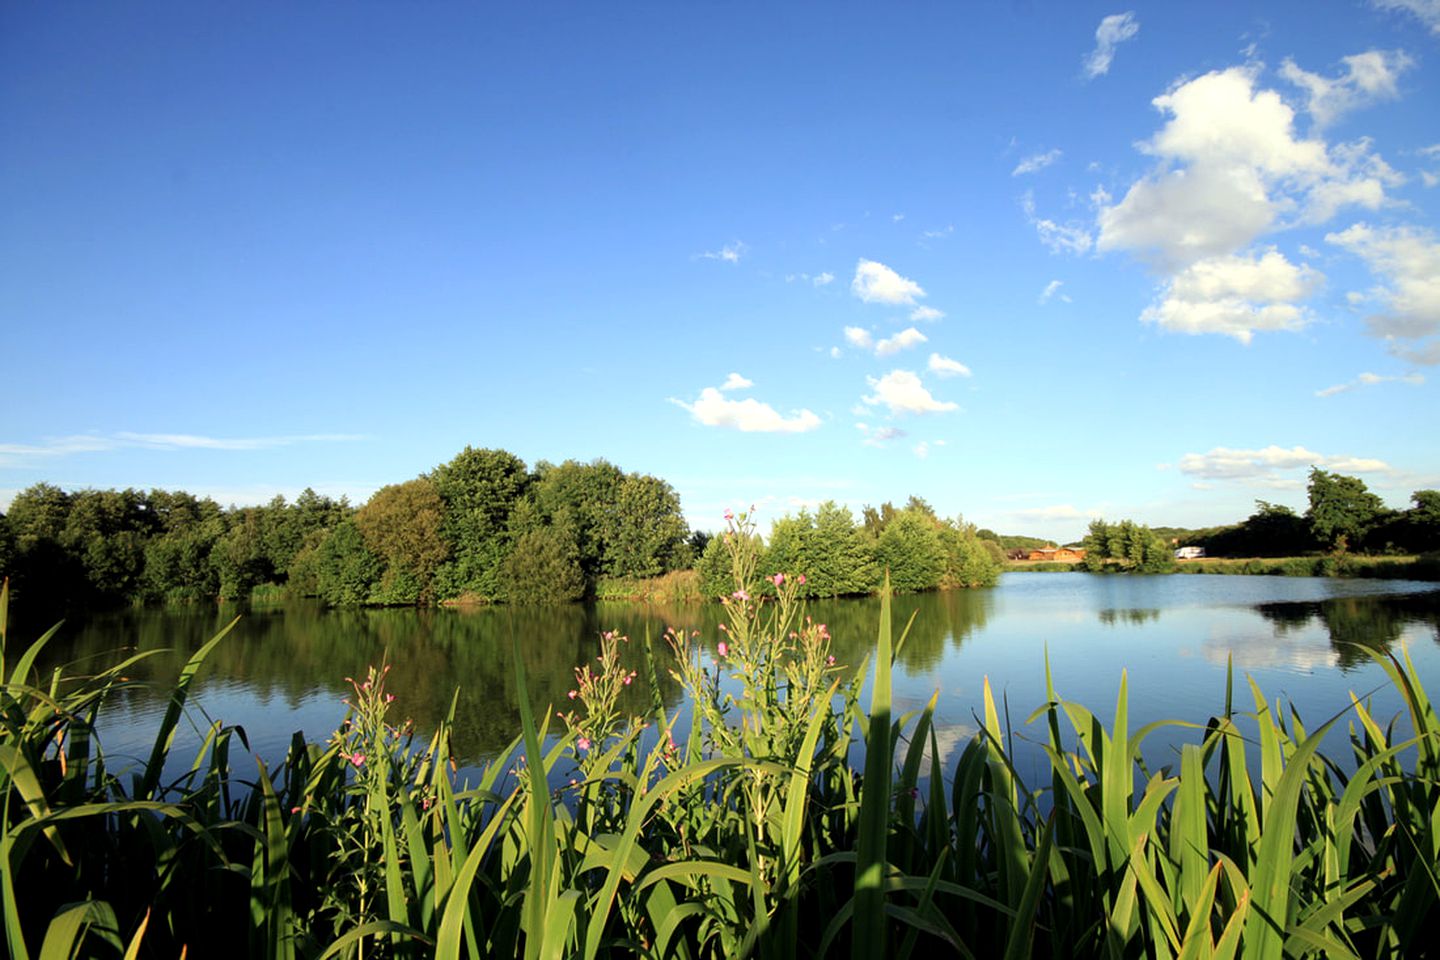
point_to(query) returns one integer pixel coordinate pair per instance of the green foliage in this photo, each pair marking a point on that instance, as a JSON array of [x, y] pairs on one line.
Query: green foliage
[[480, 489], [1126, 546], [401, 524], [910, 549], [544, 567], [1342, 509], [346, 572], [969, 560]]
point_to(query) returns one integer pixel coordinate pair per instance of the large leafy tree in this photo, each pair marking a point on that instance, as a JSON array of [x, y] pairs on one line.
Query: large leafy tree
[[480, 489], [1342, 509], [402, 525]]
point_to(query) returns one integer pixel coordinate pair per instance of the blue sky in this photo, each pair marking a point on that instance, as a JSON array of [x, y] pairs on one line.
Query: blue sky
[[1034, 262]]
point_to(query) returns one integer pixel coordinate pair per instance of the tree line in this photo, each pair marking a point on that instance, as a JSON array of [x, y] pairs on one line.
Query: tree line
[[481, 527], [840, 557]]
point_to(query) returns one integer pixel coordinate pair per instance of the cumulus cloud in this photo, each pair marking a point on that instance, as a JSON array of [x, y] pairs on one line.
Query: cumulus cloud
[[1236, 296], [1113, 31], [714, 409], [1407, 262], [909, 337], [823, 279], [1226, 463], [730, 253], [926, 314], [1370, 380], [859, 337], [877, 283], [1369, 77], [1036, 162], [900, 391], [1052, 290], [1426, 11], [736, 382], [1231, 168], [946, 367]]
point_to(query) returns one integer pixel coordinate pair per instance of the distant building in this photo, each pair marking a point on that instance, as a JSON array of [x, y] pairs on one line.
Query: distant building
[[1060, 554], [1189, 553]]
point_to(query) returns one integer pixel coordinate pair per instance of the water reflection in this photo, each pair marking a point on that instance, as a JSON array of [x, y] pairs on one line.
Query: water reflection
[[284, 668]]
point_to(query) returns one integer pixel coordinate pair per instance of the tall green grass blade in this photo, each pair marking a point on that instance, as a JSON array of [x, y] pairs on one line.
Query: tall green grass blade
[[868, 941], [1022, 930], [65, 937], [155, 767], [539, 819]]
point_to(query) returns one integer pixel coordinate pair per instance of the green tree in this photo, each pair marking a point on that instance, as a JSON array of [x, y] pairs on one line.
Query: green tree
[[649, 530], [544, 567], [480, 489], [402, 525], [1341, 508], [346, 572], [910, 549], [969, 561]]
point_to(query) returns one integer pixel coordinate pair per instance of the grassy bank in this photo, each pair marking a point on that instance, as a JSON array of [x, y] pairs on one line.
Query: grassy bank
[[1423, 567], [739, 828]]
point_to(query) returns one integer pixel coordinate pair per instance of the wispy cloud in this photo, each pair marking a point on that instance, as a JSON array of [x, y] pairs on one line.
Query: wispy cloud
[[926, 314], [1369, 77], [940, 234], [879, 436], [1407, 259], [21, 454], [1052, 291], [736, 382], [730, 253], [714, 409], [1229, 463], [1113, 31], [905, 339], [823, 279], [1426, 11], [1072, 238], [1370, 380], [1036, 162]]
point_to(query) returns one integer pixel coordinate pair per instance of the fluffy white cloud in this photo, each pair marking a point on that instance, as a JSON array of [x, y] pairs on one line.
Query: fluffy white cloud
[[1370, 380], [1235, 296], [946, 367], [926, 314], [1407, 260], [859, 337], [736, 382], [879, 436], [877, 283], [909, 337], [900, 391], [714, 409], [823, 279], [730, 253], [1426, 11], [1230, 168], [1113, 31], [1226, 463], [1036, 162], [1369, 77]]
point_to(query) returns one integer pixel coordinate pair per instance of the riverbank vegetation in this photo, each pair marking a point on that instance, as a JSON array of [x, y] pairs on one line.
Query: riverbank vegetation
[[740, 827], [482, 528]]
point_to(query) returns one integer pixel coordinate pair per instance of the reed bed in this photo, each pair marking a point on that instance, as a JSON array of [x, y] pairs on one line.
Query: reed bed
[[738, 828]]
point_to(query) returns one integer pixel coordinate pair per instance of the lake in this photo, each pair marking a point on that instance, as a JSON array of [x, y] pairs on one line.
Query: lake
[[284, 668]]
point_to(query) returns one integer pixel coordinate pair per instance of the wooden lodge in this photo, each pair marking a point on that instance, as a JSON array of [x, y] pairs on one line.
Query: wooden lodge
[[1058, 554]]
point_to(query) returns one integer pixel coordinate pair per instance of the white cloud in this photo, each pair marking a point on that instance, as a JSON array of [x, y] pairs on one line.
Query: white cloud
[[896, 217], [730, 253], [1113, 31], [21, 454], [900, 391], [1051, 290], [822, 279], [714, 409], [877, 283], [938, 234], [859, 337], [1229, 169], [1426, 11], [1226, 463], [1058, 237], [1369, 78], [879, 436], [1407, 261], [736, 382], [836, 353], [909, 337], [1236, 296], [1370, 380], [946, 367], [926, 314], [1036, 162], [922, 449]]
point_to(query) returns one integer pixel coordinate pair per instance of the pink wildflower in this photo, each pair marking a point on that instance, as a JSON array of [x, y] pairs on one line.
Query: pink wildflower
[[629, 677], [740, 595], [800, 579], [294, 809], [722, 648], [389, 698], [357, 759], [729, 515], [721, 626], [583, 743], [573, 694], [778, 579], [830, 660]]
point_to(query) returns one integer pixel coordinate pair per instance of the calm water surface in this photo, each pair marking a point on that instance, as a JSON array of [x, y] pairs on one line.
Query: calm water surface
[[283, 668]]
